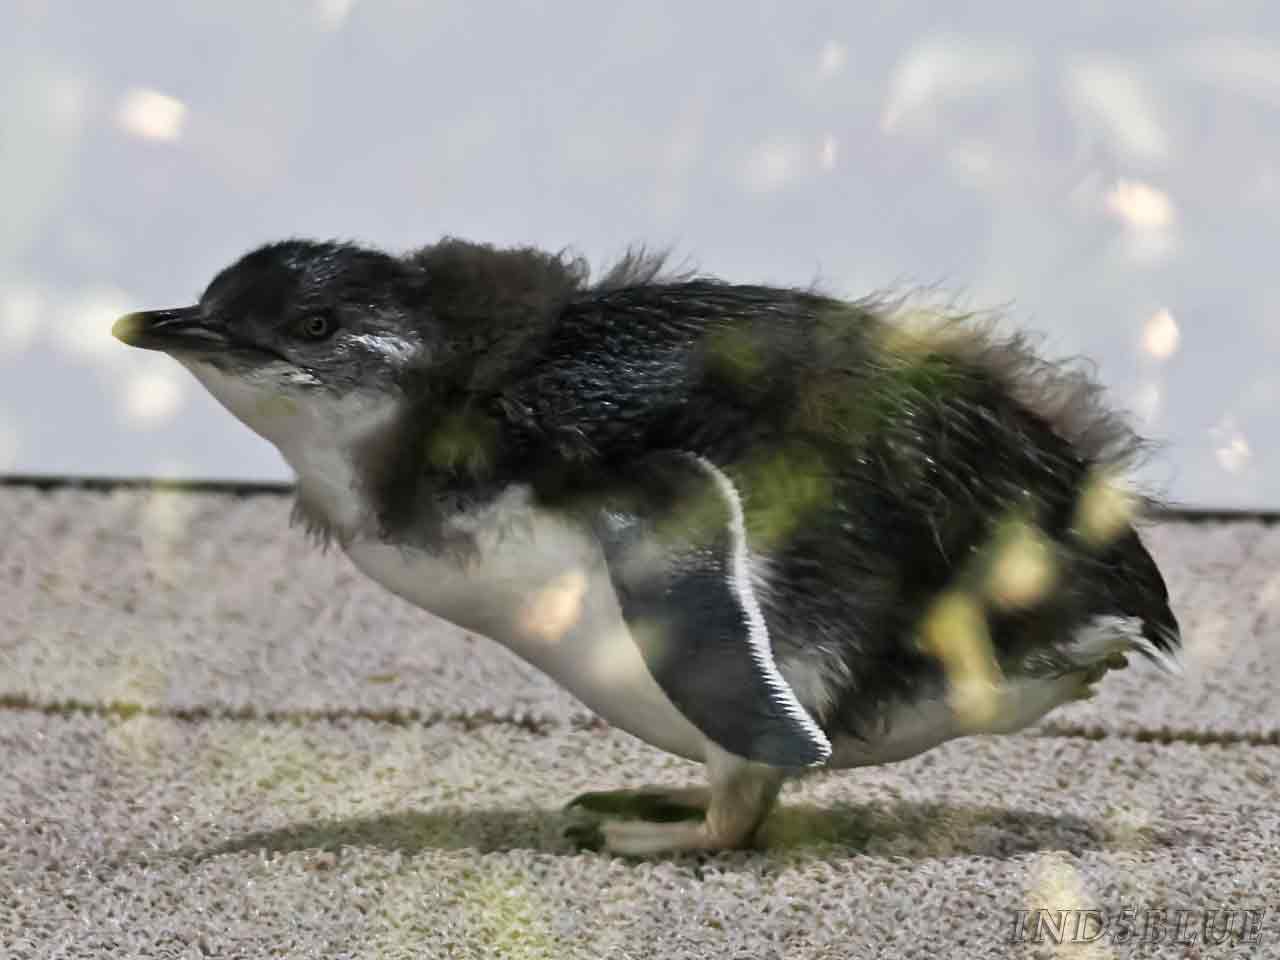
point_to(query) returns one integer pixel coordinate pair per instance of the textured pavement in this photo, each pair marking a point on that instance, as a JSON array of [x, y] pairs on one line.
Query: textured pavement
[[218, 741]]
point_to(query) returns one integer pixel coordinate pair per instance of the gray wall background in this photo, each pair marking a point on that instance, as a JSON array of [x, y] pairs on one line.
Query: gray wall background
[[1108, 171]]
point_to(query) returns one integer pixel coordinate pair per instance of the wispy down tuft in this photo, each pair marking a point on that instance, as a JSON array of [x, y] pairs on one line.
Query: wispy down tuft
[[1065, 393], [640, 266]]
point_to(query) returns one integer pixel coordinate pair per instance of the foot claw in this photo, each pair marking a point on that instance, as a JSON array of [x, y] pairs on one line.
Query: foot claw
[[585, 836], [1117, 661]]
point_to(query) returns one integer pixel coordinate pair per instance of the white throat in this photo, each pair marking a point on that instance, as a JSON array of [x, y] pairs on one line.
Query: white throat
[[318, 433]]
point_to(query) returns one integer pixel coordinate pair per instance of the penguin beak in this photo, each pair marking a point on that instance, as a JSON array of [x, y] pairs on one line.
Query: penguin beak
[[183, 330]]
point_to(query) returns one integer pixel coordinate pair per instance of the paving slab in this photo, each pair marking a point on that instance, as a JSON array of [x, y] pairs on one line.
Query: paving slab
[[219, 741], [155, 837]]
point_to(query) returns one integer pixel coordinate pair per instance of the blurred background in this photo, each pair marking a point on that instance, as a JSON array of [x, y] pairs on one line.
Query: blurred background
[[1109, 173]]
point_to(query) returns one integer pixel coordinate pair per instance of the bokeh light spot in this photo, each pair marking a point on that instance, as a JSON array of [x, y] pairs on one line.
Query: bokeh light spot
[[153, 398], [1140, 205], [151, 115], [1104, 510], [1024, 569], [1232, 452], [1160, 335], [555, 608], [1057, 889], [955, 631]]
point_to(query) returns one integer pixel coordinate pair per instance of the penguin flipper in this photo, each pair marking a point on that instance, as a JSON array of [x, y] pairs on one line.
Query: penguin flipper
[[674, 539]]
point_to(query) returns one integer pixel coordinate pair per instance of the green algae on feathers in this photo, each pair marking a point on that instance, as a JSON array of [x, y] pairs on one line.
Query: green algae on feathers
[[871, 372]]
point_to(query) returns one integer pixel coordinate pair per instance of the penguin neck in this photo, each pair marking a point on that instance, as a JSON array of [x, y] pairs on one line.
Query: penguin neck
[[337, 456]]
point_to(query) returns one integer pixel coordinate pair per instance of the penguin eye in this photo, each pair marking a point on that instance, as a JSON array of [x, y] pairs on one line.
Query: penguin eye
[[316, 326]]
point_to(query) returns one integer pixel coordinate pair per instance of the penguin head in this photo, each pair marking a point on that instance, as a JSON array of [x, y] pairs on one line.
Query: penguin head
[[299, 327]]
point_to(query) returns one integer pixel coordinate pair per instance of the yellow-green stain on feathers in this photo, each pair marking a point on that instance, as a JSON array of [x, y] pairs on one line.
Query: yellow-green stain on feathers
[[463, 441], [875, 372], [733, 353], [783, 486]]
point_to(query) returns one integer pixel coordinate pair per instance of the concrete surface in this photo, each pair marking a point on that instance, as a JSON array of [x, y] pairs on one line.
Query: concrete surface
[[217, 741]]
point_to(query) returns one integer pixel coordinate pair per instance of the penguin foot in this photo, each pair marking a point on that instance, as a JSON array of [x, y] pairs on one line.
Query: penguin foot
[[657, 804], [725, 816], [648, 805], [642, 838], [1090, 677]]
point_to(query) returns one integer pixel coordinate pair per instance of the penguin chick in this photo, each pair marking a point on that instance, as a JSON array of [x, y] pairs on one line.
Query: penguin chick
[[764, 529]]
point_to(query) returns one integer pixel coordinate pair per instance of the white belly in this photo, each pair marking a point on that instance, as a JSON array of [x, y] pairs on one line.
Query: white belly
[[542, 590], [913, 728]]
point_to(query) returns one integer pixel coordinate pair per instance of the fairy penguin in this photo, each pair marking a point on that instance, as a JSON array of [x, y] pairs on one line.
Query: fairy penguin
[[766, 529]]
